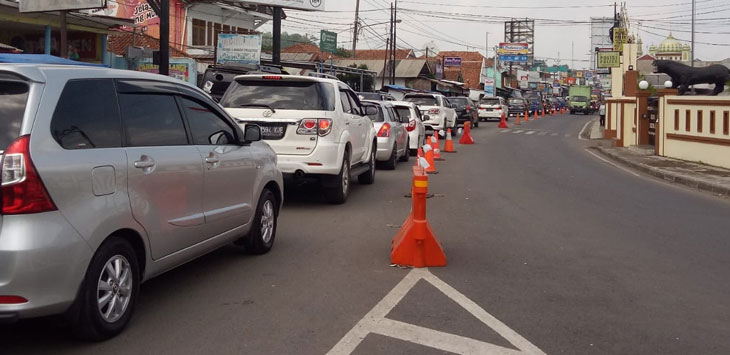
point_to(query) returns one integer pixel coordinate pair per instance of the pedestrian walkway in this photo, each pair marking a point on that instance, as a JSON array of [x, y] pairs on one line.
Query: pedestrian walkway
[[529, 132], [700, 176]]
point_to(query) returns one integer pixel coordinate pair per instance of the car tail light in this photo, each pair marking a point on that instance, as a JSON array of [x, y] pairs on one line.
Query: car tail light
[[272, 77], [312, 126], [468, 109], [12, 300], [434, 111], [325, 126], [23, 191], [384, 130], [411, 125]]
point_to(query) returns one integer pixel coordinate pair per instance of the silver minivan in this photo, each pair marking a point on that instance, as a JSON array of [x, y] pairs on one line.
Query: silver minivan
[[112, 177], [393, 138]]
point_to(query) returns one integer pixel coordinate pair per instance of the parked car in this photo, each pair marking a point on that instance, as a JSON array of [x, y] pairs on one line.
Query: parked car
[[112, 177], [217, 78], [393, 139], [437, 111], [377, 96], [416, 129], [465, 111], [493, 107], [562, 103], [517, 106], [317, 127]]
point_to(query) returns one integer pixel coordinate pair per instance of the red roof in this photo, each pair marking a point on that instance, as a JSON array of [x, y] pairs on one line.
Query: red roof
[[118, 43], [379, 54], [301, 48], [646, 57]]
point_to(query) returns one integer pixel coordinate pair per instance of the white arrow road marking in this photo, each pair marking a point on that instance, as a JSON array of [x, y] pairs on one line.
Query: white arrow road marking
[[518, 131], [530, 132], [375, 322]]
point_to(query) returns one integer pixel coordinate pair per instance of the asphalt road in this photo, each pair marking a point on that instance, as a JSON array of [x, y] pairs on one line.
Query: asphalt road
[[571, 253]]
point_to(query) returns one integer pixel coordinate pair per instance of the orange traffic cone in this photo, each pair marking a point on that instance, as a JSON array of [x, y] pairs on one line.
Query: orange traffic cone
[[517, 120], [502, 124], [428, 152], [466, 136], [434, 142], [415, 243], [527, 116], [419, 155], [535, 116], [449, 145], [543, 113]]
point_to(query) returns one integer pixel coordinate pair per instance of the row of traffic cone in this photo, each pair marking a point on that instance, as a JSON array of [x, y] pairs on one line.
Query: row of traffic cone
[[431, 152], [537, 114]]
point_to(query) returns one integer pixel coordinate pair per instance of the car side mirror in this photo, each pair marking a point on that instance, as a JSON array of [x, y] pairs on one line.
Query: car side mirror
[[252, 133], [220, 138], [369, 110]]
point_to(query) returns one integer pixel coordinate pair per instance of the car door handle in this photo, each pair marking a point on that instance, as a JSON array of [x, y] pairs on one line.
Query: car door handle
[[144, 164], [212, 160]]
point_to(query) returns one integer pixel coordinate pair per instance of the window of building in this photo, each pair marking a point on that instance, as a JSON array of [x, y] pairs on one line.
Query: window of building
[[209, 35], [226, 29], [216, 31], [198, 32]]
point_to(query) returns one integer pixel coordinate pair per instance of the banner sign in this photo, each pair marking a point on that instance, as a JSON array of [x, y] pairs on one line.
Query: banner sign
[[327, 41], [489, 87], [452, 61], [238, 48], [620, 37], [609, 59], [311, 5], [514, 58], [513, 48]]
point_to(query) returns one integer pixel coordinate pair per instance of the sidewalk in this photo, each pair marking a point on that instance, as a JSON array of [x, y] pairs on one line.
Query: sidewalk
[[699, 176]]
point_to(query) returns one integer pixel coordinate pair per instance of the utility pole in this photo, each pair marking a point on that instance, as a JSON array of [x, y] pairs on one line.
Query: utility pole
[[276, 55], [572, 55], [63, 51], [394, 42], [486, 47], [385, 63], [357, 22], [165, 37], [692, 53]]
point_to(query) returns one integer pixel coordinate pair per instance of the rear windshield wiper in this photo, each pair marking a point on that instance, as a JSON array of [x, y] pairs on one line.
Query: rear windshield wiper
[[258, 105]]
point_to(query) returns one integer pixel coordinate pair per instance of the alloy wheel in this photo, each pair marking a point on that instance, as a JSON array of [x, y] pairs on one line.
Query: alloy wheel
[[114, 288]]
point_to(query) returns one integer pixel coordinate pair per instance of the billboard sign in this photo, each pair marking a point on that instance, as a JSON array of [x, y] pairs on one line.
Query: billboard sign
[[513, 48], [452, 61], [570, 81], [310, 5], [489, 84], [514, 58], [620, 37], [609, 59], [238, 48], [59, 5], [327, 41]]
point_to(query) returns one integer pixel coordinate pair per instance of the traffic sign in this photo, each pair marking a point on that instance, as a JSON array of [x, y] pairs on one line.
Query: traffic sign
[[327, 41]]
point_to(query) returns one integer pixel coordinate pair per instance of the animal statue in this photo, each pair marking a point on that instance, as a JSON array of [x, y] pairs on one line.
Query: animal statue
[[683, 75]]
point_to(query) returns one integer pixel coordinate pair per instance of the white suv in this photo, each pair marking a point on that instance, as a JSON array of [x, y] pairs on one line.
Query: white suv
[[437, 111], [316, 126]]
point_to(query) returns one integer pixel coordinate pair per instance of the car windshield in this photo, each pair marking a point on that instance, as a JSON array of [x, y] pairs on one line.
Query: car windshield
[[490, 101], [425, 100], [281, 94], [378, 117], [459, 102], [403, 112], [515, 101], [13, 98], [369, 96], [580, 99]]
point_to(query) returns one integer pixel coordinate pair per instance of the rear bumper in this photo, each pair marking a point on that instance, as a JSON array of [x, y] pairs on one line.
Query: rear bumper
[[325, 159], [385, 149], [42, 259], [490, 114]]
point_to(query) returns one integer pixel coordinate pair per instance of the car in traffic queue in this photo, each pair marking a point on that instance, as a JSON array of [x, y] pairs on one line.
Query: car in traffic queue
[[416, 129], [517, 106], [376, 96], [438, 113], [465, 111], [316, 125], [217, 78], [392, 135], [112, 177], [493, 107]]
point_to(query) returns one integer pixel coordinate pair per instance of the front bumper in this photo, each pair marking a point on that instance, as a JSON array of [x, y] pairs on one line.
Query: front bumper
[[42, 259]]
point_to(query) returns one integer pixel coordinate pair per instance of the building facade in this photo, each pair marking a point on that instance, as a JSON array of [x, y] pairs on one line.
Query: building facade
[[671, 49]]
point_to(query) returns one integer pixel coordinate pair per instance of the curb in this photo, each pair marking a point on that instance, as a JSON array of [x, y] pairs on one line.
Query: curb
[[666, 176]]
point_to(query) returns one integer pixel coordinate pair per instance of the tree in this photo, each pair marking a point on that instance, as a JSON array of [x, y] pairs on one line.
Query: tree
[[343, 53], [353, 80]]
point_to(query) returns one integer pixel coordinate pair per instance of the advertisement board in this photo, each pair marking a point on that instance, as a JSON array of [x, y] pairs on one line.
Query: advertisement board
[[452, 61], [238, 48], [310, 5], [327, 41], [620, 37], [609, 59], [489, 87], [513, 48], [181, 68], [59, 5]]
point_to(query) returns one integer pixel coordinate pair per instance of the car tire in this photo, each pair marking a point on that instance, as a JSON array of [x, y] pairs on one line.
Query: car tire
[[393, 159], [118, 292], [263, 228], [406, 154], [368, 178], [475, 123], [341, 189]]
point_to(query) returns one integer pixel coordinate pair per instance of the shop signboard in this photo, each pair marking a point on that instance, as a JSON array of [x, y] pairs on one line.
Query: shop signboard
[[59, 5], [610, 59], [452, 61], [514, 58], [513, 49], [570, 80], [184, 69], [238, 48], [620, 37]]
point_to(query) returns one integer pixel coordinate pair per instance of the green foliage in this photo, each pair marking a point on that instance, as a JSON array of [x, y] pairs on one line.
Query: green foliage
[[343, 53], [287, 40], [353, 80]]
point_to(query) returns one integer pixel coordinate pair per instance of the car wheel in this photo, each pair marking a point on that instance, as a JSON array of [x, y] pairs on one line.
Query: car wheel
[[367, 178], [393, 160], [108, 293], [406, 154], [263, 230], [341, 189]]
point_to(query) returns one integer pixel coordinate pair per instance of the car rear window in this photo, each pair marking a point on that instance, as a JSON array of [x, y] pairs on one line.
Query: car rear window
[[459, 102], [490, 101], [376, 117], [403, 112], [422, 100], [281, 95], [13, 98]]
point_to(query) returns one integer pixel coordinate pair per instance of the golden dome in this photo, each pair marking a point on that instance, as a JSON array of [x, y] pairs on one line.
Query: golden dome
[[670, 44]]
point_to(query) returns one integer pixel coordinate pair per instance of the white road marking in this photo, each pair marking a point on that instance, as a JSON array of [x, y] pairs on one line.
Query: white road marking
[[518, 131], [553, 134], [580, 134], [504, 130], [612, 163], [530, 132], [375, 322], [542, 133]]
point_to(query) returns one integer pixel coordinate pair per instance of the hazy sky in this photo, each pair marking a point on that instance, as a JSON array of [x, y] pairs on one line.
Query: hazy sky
[[458, 24]]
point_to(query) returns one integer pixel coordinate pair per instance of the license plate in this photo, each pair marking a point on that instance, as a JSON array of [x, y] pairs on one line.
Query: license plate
[[272, 131]]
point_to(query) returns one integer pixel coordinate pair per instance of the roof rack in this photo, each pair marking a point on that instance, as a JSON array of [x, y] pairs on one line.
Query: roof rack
[[323, 75]]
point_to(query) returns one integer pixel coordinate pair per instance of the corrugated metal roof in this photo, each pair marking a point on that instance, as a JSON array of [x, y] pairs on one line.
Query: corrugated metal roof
[[407, 68]]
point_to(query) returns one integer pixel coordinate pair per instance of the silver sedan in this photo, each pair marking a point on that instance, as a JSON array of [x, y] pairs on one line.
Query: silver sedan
[[393, 139]]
